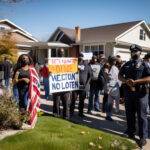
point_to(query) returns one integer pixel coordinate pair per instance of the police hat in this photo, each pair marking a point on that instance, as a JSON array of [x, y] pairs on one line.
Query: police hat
[[135, 47]]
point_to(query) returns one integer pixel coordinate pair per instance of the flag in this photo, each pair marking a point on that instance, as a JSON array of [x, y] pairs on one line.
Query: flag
[[34, 97]]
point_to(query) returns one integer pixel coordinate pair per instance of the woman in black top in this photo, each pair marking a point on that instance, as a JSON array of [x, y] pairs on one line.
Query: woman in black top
[[22, 79]]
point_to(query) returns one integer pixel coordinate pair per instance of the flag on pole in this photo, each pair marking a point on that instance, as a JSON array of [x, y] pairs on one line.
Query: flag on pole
[[34, 97]]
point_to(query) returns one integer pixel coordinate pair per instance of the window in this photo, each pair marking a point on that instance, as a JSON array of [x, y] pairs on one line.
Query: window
[[2, 28], [87, 48], [94, 48], [142, 35]]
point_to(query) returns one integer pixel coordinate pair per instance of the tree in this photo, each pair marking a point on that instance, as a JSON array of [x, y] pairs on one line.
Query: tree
[[8, 47]]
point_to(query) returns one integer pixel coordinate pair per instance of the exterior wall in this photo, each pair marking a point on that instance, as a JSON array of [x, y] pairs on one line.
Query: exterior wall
[[124, 53], [108, 51], [133, 37], [19, 38]]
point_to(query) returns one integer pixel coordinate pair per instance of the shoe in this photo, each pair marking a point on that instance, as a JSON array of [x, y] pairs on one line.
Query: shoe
[[132, 136], [96, 109], [109, 118], [81, 115], [90, 112], [142, 142]]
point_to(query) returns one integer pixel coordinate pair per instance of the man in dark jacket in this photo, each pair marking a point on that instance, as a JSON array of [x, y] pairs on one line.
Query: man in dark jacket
[[7, 72], [1, 73], [85, 74]]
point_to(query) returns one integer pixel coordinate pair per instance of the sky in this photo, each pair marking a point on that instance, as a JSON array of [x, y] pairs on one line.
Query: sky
[[42, 17]]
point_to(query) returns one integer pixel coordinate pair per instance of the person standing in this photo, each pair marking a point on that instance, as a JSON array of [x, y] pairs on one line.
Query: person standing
[[1, 74], [7, 72], [136, 76], [61, 96], [44, 73], [27, 81], [85, 74], [112, 88], [94, 103]]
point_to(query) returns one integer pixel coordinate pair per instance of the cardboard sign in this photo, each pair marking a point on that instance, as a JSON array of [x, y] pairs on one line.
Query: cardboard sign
[[64, 75]]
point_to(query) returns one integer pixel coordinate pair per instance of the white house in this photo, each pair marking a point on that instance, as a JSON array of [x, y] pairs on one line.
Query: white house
[[111, 39]]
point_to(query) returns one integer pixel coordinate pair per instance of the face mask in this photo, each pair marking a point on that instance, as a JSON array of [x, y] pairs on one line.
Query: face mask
[[135, 56], [24, 62]]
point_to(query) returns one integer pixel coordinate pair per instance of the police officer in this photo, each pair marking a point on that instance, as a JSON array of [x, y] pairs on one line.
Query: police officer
[[136, 75]]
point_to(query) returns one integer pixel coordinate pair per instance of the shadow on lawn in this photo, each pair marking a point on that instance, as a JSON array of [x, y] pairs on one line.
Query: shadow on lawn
[[97, 121]]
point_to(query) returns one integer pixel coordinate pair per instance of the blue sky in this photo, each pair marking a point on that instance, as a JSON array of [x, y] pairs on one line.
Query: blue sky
[[42, 17]]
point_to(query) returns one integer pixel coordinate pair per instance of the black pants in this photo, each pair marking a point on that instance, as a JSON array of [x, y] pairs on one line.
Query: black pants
[[135, 102], [82, 96], [105, 98], [65, 98]]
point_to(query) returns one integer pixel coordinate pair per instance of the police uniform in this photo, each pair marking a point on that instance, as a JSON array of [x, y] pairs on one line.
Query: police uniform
[[136, 98]]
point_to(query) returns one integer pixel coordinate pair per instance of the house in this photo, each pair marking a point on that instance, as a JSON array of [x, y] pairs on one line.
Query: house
[[110, 39], [18, 34]]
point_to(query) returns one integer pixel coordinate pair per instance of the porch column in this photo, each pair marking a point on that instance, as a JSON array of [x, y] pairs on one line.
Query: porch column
[[49, 54]]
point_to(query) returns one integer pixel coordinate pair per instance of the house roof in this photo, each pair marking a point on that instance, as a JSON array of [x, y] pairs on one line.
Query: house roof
[[69, 32], [105, 33], [18, 29]]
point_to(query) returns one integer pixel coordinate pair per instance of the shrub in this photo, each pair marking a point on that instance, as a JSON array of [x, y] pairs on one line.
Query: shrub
[[9, 114]]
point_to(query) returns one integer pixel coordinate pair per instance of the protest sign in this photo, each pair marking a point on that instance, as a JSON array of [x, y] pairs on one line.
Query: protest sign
[[64, 75]]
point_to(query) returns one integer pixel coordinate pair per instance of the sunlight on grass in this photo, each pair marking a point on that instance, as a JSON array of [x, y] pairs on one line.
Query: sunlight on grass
[[57, 134]]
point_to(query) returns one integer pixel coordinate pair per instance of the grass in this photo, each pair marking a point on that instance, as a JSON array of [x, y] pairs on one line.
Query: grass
[[57, 134]]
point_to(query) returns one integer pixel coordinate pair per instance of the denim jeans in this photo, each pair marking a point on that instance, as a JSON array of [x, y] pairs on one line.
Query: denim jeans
[[7, 83], [46, 87], [111, 98], [94, 98], [15, 93]]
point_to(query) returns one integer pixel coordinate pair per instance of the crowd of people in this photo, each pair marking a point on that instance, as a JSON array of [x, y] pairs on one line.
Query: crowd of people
[[116, 80]]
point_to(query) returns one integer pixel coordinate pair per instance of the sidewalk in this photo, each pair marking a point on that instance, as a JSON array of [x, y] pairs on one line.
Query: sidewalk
[[97, 120]]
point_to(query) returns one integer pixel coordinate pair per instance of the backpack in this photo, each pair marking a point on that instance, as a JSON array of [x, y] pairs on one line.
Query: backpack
[[95, 71]]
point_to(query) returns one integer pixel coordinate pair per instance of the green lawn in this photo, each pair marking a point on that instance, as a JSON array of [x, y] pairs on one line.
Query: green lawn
[[57, 134]]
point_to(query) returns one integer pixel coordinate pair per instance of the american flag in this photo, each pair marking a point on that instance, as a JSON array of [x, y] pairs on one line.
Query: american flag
[[34, 97]]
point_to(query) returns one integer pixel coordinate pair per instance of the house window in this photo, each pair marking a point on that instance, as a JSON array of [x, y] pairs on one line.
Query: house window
[[87, 48], [2, 28], [96, 49], [142, 35]]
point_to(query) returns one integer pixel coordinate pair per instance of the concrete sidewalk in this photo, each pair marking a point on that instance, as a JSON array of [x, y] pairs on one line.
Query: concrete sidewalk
[[97, 120]]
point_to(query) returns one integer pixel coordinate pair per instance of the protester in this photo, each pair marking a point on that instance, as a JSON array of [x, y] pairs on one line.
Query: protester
[[44, 73], [85, 74], [112, 88], [61, 96], [27, 82], [7, 65], [1, 74], [147, 62], [94, 103]]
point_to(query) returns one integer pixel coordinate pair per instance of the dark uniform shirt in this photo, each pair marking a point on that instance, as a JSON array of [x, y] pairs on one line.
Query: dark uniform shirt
[[135, 69]]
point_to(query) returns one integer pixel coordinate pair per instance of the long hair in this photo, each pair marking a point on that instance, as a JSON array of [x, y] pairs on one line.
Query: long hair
[[20, 59], [18, 65]]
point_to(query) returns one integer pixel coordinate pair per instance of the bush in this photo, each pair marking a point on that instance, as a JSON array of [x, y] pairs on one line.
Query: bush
[[9, 114]]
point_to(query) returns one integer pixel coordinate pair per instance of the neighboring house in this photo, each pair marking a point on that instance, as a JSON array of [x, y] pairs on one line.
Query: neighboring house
[[110, 39], [18, 34]]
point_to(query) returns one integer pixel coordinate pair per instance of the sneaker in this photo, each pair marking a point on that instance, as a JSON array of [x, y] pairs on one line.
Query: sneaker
[[142, 142], [109, 118]]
